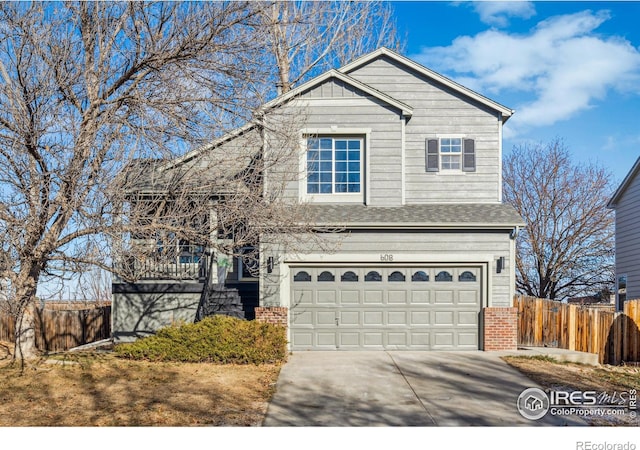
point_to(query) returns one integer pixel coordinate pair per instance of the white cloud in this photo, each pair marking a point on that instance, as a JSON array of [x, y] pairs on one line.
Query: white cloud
[[617, 144], [498, 13], [561, 66]]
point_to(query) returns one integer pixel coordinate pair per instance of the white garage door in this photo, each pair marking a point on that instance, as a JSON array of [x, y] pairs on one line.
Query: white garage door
[[374, 308]]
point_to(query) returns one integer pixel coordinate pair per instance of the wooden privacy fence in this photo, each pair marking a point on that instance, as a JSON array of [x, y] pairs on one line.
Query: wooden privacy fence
[[614, 336], [59, 330]]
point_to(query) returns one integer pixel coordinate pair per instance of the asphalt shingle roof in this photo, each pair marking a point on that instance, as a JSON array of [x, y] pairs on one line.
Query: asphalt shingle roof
[[466, 215]]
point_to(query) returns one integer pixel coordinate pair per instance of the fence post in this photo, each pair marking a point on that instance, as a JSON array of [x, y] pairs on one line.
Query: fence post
[[631, 335], [538, 336], [572, 327], [596, 336]]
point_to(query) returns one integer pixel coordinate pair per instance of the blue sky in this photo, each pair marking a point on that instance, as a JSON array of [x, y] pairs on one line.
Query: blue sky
[[569, 69]]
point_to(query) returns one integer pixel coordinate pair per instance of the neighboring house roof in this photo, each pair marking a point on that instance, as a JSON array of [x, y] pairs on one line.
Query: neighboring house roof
[[624, 185], [464, 215], [383, 51]]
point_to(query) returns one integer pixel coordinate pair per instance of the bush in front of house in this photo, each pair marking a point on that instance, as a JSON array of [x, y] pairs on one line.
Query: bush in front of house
[[216, 339]]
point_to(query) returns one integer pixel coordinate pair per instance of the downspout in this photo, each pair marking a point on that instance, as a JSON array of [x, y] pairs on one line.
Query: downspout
[[500, 123], [512, 263], [403, 188]]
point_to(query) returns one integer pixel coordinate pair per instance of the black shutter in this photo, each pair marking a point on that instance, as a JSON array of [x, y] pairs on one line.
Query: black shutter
[[432, 155], [469, 156]]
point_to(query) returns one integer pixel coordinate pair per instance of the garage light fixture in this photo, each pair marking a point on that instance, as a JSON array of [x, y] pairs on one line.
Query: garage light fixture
[[270, 264], [500, 265]]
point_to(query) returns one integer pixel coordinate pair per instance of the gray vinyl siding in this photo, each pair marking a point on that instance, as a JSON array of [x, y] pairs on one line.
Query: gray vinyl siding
[[333, 89], [628, 237], [438, 111], [136, 314], [459, 246]]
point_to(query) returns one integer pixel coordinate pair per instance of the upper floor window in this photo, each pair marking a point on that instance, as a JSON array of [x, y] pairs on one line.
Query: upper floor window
[[451, 154], [334, 165]]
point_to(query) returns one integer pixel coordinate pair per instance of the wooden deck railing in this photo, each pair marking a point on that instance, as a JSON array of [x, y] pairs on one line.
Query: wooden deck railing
[[184, 267]]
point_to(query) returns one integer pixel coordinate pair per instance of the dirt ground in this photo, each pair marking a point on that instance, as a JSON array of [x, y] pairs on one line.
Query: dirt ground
[[97, 389], [571, 377]]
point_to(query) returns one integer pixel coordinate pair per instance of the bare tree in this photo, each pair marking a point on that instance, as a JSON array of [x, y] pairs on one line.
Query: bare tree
[[86, 88], [306, 38], [567, 247], [95, 287], [99, 103]]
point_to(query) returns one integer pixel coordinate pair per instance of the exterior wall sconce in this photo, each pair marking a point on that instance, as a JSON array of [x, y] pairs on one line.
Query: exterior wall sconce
[[500, 265], [270, 264]]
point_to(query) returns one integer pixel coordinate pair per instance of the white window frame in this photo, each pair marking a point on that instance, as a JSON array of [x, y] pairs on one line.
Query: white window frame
[[442, 154], [363, 135]]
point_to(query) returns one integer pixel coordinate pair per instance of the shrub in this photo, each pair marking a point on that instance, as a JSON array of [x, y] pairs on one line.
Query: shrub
[[216, 339]]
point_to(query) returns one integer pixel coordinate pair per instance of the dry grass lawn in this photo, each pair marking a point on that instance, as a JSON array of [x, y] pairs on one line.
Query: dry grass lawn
[[98, 389]]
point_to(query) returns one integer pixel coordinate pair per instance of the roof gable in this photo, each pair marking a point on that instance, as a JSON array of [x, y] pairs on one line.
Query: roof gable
[[343, 75], [428, 73], [405, 109], [624, 185]]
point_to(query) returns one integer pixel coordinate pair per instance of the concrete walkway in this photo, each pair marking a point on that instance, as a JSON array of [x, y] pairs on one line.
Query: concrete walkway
[[398, 388]]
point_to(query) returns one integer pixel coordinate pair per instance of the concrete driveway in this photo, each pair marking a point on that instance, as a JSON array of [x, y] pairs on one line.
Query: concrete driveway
[[361, 389]]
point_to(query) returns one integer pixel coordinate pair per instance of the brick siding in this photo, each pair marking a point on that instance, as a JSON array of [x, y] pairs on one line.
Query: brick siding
[[500, 329], [272, 314]]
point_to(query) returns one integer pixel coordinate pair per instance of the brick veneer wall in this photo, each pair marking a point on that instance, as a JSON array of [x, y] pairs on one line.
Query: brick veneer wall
[[500, 328], [272, 314]]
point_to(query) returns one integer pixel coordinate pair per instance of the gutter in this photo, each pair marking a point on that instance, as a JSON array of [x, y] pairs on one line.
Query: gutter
[[440, 226]]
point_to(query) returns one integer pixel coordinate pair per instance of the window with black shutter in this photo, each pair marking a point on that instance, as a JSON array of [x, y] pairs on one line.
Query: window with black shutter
[[450, 154], [432, 155], [469, 156]]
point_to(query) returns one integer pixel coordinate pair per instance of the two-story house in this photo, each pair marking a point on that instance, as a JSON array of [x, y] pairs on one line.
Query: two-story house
[[406, 164]]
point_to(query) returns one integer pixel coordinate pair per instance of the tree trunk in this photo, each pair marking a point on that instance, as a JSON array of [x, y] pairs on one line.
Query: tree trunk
[[25, 333], [25, 337]]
